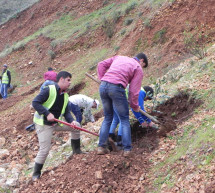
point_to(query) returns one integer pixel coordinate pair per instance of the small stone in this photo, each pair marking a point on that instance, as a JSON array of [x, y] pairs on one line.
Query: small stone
[[98, 175], [95, 187]]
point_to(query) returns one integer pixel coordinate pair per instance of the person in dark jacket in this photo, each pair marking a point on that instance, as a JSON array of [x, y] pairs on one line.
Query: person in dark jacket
[[5, 81], [50, 103]]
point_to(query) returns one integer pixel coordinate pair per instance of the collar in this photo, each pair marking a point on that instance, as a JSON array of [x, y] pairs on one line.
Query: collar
[[59, 90], [137, 59]]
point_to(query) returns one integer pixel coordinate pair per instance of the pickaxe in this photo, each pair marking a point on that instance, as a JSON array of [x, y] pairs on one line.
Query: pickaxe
[[76, 127]]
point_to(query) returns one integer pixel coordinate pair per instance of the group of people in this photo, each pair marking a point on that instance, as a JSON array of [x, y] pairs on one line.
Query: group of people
[[5, 81], [116, 74]]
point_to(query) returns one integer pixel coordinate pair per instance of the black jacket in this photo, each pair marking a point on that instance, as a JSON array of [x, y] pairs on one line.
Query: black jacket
[[55, 109]]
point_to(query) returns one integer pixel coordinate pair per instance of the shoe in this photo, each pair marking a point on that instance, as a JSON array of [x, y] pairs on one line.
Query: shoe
[[75, 143], [119, 140], [127, 154], [102, 151], [37, 171], [111, 145], [112, 136]]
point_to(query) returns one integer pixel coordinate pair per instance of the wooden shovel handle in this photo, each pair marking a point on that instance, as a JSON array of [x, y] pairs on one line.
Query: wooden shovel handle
[[98, 81], [149, 116]]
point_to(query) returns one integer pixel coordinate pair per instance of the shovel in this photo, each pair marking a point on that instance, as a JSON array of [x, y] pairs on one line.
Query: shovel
[[79, 128], [149, 116], [76, 127]]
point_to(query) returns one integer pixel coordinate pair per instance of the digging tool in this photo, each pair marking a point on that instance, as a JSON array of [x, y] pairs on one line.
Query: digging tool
[[90, 76], [141, 111], [79, 128], [149, 116], [76, 127]]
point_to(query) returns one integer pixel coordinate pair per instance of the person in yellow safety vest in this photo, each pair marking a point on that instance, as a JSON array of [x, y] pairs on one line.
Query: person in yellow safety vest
[[5, 81], [50, 103]]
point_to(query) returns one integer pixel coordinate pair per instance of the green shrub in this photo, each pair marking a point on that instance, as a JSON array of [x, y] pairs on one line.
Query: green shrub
[[123, 31], [52, 54], [116, 16], [130, 7], [195, 42], [147, 23], [116, 48], [159, 36], [108, 27], [128, 21]]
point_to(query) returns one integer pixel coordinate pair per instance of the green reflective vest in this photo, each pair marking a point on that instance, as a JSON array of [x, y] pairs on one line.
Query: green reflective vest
[[5, 79], [39, 119]]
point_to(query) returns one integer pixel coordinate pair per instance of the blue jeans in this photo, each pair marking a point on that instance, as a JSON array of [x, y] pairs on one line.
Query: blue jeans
[[4, 88], [113, 96], [76, 111], [114, 123]]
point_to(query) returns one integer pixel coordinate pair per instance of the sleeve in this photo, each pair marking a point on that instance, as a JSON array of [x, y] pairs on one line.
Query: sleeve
[[39, 100], [104, 66], [92, 118], [68, 115], [76, 111], [87, 113], [134, 88], [141, 118], [9, 77]]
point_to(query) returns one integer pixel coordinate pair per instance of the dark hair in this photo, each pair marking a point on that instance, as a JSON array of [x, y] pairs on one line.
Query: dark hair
[[149, 92], [63, 74], [143, 56], [50, 69]]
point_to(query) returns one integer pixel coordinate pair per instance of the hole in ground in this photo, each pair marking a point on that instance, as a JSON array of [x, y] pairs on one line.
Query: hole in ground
[[76, 88], [174, 111], [98, 115]]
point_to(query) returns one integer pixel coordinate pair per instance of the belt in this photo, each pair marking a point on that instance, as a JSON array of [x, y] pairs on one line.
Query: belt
[[119, 85]]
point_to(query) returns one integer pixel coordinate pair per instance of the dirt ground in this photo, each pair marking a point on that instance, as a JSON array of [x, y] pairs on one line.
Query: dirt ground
[[112, 172], [90, 172]]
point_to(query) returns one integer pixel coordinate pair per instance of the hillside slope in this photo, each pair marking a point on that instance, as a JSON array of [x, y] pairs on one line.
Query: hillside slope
[[74, 36]]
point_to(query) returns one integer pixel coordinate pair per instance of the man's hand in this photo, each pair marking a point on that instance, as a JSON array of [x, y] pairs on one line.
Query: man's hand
[[153, 126], [144, 125], [75, 123], [137, 110], [50, 117]]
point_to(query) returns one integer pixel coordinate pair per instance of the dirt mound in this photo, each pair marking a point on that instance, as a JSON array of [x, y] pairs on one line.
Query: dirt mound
[[94, 173], [174, 111]]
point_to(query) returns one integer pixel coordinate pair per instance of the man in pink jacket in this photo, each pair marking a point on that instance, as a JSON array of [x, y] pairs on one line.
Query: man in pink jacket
[[115, 74]]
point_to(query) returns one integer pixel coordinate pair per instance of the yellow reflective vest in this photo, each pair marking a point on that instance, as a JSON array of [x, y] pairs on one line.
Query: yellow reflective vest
[[5, 79], [39, 119]]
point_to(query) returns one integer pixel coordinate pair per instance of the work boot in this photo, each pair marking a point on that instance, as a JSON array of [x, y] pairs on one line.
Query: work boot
[[37, 171], [112, 136], [119, 140], [102, 151], [75, 143]]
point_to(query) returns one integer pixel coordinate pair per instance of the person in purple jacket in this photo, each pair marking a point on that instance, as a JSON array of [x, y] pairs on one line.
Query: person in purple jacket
[[50, 78], [115, 74]]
